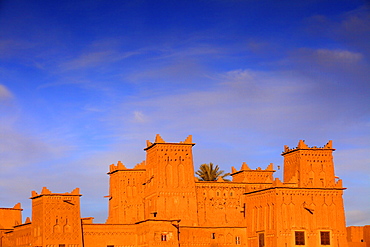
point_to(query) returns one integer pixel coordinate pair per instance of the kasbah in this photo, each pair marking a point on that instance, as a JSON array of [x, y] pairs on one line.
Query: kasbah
[[160, 203]]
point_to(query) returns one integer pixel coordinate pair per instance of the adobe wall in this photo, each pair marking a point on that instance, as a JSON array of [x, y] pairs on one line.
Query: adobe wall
[[10, 217], [311, 167], [21, 236], [279, 212], [56, 218], [170, 193], [97, 235], [126, 194], [367, 235], [213, 236], [158, 233], [220, 203], [358, 236]]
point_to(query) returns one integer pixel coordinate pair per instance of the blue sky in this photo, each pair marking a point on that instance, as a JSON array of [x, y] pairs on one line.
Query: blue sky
[[84, 84]]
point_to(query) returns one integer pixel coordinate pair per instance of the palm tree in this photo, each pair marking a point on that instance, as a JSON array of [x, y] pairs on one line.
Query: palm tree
[[208, 172]]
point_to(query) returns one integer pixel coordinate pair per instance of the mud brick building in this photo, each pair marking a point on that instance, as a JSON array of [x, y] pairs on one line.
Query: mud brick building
[[160, 203]]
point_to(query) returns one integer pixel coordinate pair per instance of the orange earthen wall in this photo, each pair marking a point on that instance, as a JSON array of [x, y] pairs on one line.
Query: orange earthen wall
[[10, 217], [213, 236], [220, 204], [97, 235], [279, 212], [126, 199]]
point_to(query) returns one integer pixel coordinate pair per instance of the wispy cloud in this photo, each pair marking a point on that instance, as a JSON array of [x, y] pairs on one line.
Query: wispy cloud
[[330, 56], [94, 59], [351, 30], [139, 117], [21, 149], [5, 94], [357, 217], [327, 58]]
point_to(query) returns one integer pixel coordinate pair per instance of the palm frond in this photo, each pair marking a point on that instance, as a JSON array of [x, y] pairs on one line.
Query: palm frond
[[209, 172]]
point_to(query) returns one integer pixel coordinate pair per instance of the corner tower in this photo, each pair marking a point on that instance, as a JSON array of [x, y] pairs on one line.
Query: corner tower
[[309, 166], [56, 219], [170, 185]]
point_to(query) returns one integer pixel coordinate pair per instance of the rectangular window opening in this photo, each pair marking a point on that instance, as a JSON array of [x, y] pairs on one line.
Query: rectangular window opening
[[164, 237], [237, 240], [261, 240], [325, 238], [299, 238], [213, 236]]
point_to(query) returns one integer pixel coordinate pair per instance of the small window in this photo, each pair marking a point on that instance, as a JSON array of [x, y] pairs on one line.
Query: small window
[[261, 240], [299, 238], [164, 237], [110, 245], [237, 240], [62, 245], [325, 238], [213, 236]]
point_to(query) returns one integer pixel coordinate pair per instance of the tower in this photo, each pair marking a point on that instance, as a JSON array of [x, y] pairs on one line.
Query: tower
[[56, 219], [170, 186], [309, 166], [126, 194]]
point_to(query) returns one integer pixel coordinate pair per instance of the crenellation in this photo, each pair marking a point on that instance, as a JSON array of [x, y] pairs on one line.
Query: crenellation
[[303, 146]]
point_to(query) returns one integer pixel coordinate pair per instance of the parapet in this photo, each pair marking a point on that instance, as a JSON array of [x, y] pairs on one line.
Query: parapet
[[247, 175], [16, 207], [303, 146], [46, 192], [245, 167], [159, 140], [121, 167]]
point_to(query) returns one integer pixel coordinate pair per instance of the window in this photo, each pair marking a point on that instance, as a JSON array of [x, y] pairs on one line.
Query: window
[[299, 238], [325, 238], [261, 240], [164, 237], [110, 245], [62, 245], [237, 240], [213, 236]]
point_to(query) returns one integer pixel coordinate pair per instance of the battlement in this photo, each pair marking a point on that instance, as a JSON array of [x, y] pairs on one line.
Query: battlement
[[311, 167], [16, 207], [159, 140], [303, 146], [245, 167], [121, 167], [247, 175], [46, 192]]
